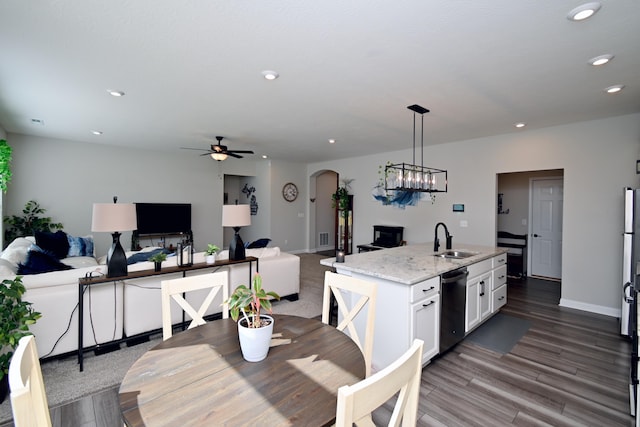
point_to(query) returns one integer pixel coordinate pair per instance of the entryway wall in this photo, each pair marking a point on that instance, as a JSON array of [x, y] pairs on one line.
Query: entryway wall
[[325, 186]]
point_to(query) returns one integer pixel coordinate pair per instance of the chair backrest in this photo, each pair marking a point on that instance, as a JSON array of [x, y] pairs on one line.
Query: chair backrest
[[334, 283], [28, 397], [176, 288], [357, 402]]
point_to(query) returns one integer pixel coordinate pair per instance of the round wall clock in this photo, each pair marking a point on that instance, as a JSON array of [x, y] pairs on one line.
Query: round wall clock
[[290, 192]]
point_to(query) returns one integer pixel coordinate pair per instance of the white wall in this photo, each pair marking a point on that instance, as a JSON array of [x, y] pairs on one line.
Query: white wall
[[598, 158], [288, 219], [67, 177]]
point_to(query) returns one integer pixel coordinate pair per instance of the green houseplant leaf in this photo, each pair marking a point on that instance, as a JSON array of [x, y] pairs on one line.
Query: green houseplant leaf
[[16, 316], [250, 301]]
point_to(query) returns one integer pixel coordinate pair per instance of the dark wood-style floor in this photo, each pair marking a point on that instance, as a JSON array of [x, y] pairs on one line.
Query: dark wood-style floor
[[571, 368]]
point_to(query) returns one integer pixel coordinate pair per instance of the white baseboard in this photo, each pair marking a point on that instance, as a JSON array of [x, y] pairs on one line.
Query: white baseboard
[[592, 308]]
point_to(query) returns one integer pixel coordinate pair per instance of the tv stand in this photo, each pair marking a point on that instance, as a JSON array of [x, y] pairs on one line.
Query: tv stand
[[136, 237]]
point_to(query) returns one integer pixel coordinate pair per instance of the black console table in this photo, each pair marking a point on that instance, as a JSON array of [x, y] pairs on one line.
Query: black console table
[[83, 282]]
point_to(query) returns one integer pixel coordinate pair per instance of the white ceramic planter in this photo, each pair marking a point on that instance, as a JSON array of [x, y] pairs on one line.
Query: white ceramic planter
[[254, 342], [210, 259]]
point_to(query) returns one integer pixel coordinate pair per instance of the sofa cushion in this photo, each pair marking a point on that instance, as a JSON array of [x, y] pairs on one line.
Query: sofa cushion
[[16, 252], [57, 242], [7, 269], [80, 261], [80, 246], [41, 262]]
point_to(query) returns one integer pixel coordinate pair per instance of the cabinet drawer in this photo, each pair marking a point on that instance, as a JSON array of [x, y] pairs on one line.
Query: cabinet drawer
[[499, 276], [479, 268], [425, 289], [499, 260], [499, 298]]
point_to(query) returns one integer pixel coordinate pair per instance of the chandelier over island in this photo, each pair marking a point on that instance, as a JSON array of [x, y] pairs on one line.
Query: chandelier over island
[[413, 177]]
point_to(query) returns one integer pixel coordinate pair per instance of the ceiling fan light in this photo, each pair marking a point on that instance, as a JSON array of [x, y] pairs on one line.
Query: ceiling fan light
[[218, 156], [614, 89]]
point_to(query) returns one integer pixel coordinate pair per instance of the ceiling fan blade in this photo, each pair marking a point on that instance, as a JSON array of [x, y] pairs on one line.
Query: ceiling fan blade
[[240, 151], [208, 153], [197, 149], [232, 154]]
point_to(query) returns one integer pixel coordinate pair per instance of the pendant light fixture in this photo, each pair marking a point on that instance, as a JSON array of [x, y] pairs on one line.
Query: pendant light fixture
[[413, 177]]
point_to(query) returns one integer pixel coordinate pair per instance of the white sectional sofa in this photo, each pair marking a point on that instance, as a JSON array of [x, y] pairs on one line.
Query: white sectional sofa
[[117, 310]]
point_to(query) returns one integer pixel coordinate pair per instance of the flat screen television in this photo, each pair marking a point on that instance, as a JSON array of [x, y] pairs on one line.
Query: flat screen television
[[163, 218]]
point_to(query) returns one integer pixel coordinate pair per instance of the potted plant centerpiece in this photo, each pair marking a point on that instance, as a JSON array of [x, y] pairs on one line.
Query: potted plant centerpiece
[[16, 316], [157, 260], [210, 253], [254, 328]]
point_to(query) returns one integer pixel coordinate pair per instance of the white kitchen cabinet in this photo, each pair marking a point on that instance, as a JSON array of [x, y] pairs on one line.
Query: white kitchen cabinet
[[478, 306], [499, 285], [402, 313], [425, 325]]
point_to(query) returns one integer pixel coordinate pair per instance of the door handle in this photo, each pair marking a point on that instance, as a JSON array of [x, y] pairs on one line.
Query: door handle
[[535, 235]]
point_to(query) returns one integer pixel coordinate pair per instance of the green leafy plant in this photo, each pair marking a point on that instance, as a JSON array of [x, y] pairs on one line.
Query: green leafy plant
[[5, 169], [250, 301], [159, 257], [16, 316], [340, 199], [211, 249], [29, 222]]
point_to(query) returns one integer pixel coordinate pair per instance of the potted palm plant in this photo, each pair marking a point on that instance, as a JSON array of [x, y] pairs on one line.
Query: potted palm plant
[[157, 260], [16, 316], [210, 253], [254, 329]]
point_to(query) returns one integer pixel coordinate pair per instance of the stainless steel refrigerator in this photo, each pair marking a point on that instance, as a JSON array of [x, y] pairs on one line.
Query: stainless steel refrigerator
[[630, 288]]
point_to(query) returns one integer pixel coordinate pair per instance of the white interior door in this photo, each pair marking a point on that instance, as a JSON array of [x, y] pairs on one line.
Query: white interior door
[[546, 227]]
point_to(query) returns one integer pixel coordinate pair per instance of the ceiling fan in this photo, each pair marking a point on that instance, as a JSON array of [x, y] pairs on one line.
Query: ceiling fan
[[220, 152]]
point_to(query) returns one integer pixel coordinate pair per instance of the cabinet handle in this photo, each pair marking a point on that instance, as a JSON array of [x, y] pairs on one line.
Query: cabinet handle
[[427, 305], [501, 277], [482, 288], [501, 260], [500, 299], [430, 289]]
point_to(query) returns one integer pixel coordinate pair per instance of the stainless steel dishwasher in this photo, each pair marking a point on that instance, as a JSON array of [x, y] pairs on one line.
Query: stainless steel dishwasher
[[453, 291]]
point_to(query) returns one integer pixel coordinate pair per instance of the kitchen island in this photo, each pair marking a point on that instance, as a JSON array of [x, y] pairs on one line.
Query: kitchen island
[[409, 293]]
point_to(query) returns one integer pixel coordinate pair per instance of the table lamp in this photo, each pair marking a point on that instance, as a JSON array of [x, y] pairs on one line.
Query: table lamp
[[114, 218], [236, 216]]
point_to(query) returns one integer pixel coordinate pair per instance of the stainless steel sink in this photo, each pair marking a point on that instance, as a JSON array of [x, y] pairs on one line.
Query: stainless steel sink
[[455, 254]]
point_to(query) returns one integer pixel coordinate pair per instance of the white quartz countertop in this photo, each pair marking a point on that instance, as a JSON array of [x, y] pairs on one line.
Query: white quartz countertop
[[410, 264]]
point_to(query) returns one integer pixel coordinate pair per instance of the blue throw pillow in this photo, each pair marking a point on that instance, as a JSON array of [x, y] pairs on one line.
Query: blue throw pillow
[[80, 246], [144, 256], [260, 243], [41, 262], [55, 243]]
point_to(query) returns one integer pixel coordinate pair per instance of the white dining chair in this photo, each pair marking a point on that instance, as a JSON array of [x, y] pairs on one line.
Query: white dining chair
[[175, 289], [336, 283], [28, 397], [358, 401]]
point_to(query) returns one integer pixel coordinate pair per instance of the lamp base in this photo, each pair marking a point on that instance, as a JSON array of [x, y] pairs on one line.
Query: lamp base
[[116, 258], [236, 247]]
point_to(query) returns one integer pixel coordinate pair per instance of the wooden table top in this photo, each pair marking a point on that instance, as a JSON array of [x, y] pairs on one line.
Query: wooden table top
[[199, 378]]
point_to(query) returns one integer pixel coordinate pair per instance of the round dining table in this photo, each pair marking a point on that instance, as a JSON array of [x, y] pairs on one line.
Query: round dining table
[[199, 378]]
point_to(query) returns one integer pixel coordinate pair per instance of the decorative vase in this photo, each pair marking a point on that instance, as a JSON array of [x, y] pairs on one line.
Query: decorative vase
[[254, 342], [210, 259], [157, 266]]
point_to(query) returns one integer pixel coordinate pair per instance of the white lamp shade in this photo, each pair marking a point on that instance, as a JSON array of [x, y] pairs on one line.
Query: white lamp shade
[[111, 217], [236, 215]]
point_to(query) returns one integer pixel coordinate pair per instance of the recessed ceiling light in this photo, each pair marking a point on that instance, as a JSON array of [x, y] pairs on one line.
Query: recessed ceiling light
[[584, 11], [520, 124], [270, 75], [115, 92], [96, 132], [264, 156], [332, 141], [614, 89], [37, 122], [600, 60]]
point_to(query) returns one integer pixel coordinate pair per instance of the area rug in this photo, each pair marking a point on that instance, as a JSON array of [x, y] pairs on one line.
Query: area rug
[[500, 333], [64, 382]]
